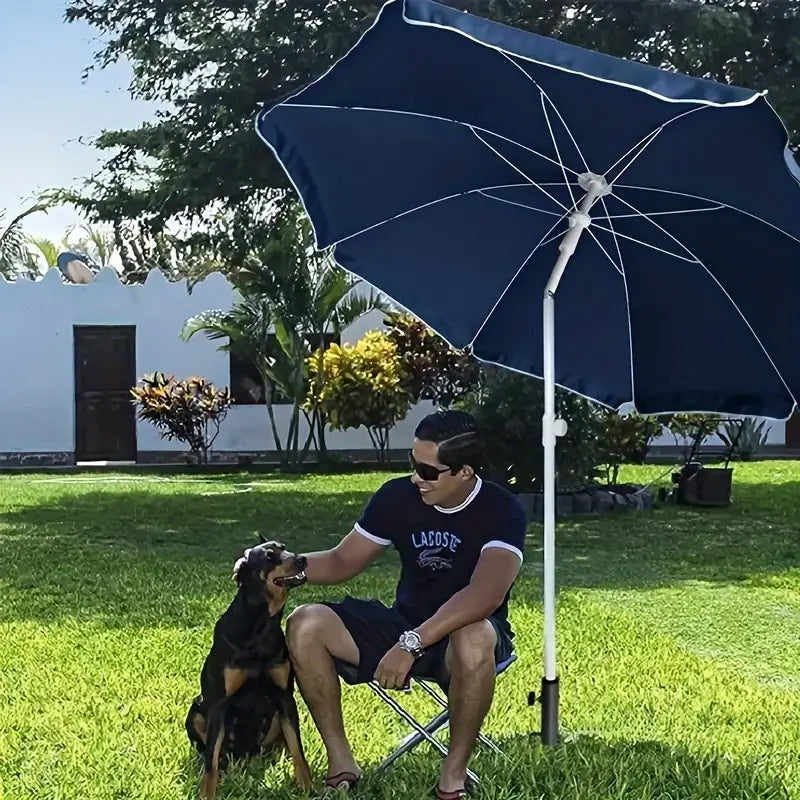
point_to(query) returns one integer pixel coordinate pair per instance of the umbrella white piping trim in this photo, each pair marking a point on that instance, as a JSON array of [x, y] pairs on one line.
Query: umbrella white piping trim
[[644, 143], [666, 213], [516, 275], [722, 289], [645, 244], [473, 128], [479, 190], [707, 200], [521, 205], [634, 87]]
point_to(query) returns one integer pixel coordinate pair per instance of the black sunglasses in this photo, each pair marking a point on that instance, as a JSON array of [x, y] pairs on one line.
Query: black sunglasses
[[426, 471]]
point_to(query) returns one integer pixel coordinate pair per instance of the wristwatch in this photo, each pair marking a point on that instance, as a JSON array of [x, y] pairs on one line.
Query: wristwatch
[[411, 643]]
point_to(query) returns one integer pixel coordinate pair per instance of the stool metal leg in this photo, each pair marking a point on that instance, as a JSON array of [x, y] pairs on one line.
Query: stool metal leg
[[392, 703], [443, 703]]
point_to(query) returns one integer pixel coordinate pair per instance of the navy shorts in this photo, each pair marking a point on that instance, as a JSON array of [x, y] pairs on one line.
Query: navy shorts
[[375, 629]]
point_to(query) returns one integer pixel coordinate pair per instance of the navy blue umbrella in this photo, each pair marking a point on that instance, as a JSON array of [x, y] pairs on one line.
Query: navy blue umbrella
[[466, 169]]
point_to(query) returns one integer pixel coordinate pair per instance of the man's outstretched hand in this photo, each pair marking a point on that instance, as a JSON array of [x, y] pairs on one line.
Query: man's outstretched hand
[[394, 668]]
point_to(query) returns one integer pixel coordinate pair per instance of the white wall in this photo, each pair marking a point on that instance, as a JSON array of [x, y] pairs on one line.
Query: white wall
[[37, 391]]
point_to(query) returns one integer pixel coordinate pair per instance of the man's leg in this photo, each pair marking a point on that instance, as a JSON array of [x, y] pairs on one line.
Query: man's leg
[[470, 663], [315, 635]]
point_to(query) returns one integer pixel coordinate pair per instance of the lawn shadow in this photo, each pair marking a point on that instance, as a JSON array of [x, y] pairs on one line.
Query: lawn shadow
[[133, 557], [137, 557], [585, 767]]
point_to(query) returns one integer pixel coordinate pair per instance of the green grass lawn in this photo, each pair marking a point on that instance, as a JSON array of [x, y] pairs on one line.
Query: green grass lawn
[[677, 638]]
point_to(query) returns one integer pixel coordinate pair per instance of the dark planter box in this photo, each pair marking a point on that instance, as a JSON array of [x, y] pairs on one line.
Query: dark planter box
[[708, 486]]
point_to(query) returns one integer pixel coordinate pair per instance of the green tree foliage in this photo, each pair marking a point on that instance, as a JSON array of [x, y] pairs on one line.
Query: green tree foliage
[[210, 64]]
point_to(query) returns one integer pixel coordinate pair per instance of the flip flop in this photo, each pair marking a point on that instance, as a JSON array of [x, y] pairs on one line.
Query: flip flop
[[341, 782], [458, 794]]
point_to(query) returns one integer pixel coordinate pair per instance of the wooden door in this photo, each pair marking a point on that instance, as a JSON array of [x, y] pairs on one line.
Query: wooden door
[[105, 372], [793, 431]]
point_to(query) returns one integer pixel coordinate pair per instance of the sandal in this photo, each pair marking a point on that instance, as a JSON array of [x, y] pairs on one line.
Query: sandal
[[341, 782]]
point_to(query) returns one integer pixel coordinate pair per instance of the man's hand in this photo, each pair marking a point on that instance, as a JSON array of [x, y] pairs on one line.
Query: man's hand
[[394, 668]]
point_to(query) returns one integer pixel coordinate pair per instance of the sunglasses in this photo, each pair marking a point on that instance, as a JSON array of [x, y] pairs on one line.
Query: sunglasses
[[426, 471]]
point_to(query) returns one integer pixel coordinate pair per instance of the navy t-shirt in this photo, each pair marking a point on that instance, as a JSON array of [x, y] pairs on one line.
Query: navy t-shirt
[[440, 547]]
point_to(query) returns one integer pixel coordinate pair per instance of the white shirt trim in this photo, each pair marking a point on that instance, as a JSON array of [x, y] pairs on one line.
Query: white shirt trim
[[503, 546], [366, 535], [472, 495]]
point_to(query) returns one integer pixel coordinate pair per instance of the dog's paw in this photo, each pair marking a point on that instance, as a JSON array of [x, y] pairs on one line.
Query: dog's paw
[[238, 565]]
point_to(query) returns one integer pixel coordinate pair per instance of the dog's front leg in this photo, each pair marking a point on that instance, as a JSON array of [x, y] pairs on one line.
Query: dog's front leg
[[290, 724]]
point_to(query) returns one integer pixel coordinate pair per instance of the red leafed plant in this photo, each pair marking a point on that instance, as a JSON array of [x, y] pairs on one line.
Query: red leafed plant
[[190, 410]]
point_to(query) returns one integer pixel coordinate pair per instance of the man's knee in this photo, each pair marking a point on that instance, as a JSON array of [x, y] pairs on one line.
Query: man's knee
[[305, 624], [472, 646]]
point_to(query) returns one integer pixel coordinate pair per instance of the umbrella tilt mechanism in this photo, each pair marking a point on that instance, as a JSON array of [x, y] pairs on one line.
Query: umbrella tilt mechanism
[[595, 187]]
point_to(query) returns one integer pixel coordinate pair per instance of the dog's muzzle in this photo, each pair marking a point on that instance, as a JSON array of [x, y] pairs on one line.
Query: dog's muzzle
[[292, 581]]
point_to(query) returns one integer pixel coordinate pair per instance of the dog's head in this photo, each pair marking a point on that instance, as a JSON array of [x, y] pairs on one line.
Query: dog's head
[[267, 574]]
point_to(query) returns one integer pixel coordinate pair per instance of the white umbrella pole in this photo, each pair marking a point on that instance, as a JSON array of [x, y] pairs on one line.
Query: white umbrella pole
[[595, 186]]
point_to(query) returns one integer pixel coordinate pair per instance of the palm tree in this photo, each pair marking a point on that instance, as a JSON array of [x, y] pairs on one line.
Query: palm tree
[[303, 298], [13, 250]]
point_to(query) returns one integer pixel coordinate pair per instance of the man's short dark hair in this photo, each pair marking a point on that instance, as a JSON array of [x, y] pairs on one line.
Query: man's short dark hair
[[458, 437]]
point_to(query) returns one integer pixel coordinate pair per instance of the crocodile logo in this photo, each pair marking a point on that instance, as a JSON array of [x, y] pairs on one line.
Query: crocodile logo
[[429, 558]]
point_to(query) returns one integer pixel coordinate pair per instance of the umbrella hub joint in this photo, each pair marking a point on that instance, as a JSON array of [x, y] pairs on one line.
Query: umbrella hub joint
[[594, 184]]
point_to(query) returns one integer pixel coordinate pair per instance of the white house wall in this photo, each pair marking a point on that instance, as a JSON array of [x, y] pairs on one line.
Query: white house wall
[[37, 381]]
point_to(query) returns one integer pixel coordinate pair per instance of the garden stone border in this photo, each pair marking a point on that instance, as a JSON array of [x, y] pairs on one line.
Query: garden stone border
[[591, 501]]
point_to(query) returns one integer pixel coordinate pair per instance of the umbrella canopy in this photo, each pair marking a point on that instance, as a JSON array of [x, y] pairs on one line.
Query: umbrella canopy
[[458, 165]]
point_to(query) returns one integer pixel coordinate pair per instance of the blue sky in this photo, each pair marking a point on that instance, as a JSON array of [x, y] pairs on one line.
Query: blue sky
[[46, 106]]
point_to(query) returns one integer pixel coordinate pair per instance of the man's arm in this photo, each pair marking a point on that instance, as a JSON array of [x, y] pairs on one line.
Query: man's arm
[[495, 572], [351, 556]]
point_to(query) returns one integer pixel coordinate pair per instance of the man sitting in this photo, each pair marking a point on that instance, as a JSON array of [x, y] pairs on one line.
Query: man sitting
[[460, 541]]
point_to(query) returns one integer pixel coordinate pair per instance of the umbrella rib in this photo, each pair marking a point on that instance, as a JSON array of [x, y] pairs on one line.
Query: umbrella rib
[[473, 128], [478, 190], [605, 252], [555, 147], [521, 205], [645, 142], [516, 275], [515, 167], [543, 96], [707, 200], [646, 244], [722, 289], [666, 213]]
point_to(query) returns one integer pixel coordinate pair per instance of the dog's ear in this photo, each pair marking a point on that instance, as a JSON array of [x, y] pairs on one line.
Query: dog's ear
[[249, 579]]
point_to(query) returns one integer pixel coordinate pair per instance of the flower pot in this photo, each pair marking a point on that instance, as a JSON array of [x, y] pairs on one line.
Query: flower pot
[[705, 486]]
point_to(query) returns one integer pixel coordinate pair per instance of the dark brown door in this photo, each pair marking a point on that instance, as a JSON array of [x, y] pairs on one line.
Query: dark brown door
[[793, 431], [105, 372]]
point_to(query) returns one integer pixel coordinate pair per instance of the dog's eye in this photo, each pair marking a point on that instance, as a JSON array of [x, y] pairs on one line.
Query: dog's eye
[[273, 555]]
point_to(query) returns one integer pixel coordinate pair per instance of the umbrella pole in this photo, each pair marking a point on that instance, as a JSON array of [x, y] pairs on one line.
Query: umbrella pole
[[595, 186]]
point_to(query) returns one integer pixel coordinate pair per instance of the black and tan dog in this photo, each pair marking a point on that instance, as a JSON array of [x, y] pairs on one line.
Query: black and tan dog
[[246, 705]]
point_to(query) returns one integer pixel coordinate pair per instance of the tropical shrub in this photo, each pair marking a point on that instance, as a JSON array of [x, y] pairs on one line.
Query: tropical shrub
[[190, 411], [433, 370], [360, 384], [623, 440], [509, 406]]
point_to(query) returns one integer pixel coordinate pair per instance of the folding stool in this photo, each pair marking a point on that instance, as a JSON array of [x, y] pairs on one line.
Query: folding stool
[[428, 732]]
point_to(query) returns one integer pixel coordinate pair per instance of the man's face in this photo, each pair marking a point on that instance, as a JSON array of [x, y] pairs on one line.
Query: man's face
[[437, 485]]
